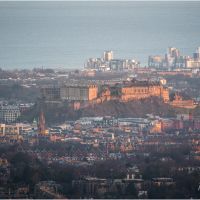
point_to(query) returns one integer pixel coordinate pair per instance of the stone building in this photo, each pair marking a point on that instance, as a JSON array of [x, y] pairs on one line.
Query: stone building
[[11, 132], [79, 92], [69, 92], [51, 92], [180, 103], [82, 95], [134, 90]]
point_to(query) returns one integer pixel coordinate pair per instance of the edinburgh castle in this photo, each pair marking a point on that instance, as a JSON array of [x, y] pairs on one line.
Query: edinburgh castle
[[91, 93]]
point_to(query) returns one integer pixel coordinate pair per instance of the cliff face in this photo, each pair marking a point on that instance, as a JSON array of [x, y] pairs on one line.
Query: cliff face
[[137, 108]]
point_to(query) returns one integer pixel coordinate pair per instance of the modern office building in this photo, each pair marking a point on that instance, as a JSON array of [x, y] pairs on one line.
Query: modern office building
[[196, 55], [195, 61], [108, 55], [172, 59], [108, 63], [9, 113]]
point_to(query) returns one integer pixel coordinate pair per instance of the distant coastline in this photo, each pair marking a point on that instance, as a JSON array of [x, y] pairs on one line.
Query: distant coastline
[[66, 34]]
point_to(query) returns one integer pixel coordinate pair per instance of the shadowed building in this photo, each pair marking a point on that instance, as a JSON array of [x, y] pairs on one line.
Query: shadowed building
[[69, 92], [51, 92], [79, 92]]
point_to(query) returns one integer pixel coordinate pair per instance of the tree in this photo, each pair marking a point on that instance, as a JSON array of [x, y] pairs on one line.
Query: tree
[[131, 191]]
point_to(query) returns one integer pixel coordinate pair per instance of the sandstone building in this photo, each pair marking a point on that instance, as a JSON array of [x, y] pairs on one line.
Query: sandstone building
[[126, 91], [180, 103], [134, 89], [70, 92]]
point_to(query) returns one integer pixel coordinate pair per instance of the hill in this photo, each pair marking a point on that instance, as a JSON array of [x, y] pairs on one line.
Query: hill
[[57, 113], [137, 108]]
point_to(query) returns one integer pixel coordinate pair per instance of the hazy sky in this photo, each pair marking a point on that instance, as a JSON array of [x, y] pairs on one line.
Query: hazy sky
[[101, 0], [66, 34]]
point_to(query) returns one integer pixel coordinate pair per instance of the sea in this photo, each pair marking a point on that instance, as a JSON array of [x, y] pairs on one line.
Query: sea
[[65, 34]]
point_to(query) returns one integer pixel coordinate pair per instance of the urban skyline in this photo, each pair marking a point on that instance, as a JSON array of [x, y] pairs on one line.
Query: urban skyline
[[65, 34], [99, 100]]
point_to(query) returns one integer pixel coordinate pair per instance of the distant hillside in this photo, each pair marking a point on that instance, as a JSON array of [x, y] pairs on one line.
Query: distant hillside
[[60, 113]]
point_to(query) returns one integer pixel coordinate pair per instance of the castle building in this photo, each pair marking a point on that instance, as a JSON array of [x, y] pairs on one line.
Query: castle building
[[165, 94], [134, 90], [126, 91], [180, 103]]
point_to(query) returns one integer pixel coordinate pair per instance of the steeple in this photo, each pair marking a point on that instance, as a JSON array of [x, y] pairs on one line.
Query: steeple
[[42, 124]]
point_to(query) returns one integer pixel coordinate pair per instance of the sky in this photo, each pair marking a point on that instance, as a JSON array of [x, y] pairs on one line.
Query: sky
[[102, 0]]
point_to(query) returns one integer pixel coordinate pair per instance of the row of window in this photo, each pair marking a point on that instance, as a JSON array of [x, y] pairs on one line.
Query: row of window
[[135, 90]]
